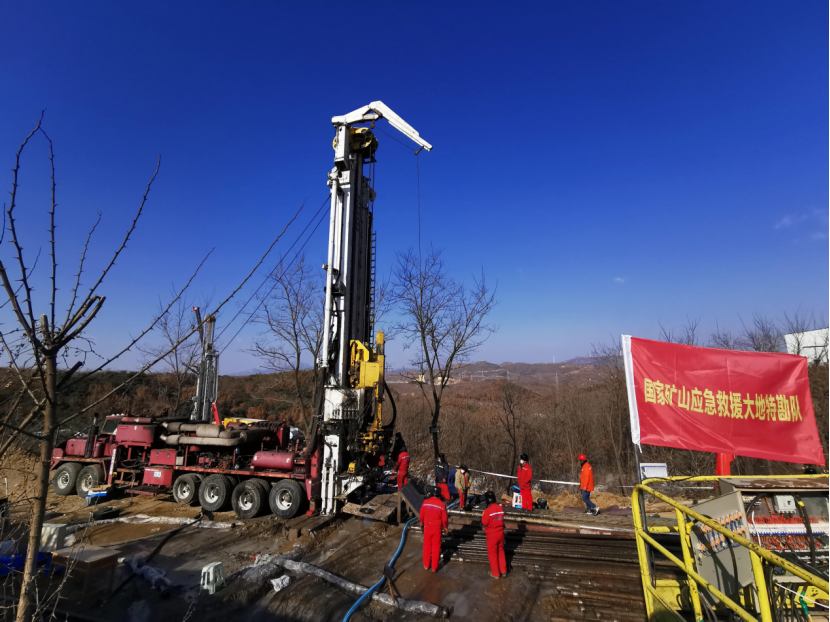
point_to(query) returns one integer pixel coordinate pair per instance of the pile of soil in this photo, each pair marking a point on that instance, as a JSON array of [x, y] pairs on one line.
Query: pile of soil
[[573, 499]]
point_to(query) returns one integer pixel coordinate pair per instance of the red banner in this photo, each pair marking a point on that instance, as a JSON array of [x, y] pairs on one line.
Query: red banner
[[753, 404]]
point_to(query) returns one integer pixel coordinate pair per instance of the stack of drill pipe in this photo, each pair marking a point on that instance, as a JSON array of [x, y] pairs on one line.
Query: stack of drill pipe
[[543, 518], [546, 549]]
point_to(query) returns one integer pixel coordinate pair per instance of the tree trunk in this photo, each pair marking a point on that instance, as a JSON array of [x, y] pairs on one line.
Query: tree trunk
[[435, 414], [24, 605], [300, 393]]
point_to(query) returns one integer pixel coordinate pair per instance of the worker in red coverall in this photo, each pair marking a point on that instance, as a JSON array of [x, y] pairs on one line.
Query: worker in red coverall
[[525, 475], [434, 519], [586, 485], [442, 472], [493, 521], [402, 467]]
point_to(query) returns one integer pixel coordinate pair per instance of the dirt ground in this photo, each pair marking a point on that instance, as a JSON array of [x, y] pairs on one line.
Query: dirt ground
[[353, 548]]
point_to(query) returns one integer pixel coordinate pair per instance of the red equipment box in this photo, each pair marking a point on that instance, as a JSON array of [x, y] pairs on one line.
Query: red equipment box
[[167, 457], [75, 446], [158, 476], [126, 434]]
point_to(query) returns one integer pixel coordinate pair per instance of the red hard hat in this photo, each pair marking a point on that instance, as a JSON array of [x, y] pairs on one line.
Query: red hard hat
[[582, 457]]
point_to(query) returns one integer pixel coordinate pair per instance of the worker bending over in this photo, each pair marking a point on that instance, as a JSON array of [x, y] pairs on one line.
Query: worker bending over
[[525, 475], [586, 485], [462, 485], [433, 517], [493, 521], [402, 467], [442, 472]]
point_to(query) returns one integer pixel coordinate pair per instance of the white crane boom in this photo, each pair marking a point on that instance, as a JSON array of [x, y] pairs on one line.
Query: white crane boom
[[379, 110]]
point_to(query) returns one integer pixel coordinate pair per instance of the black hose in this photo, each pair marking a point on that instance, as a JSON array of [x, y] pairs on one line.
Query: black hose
[[802, 511], [319, 391], [391, 424]]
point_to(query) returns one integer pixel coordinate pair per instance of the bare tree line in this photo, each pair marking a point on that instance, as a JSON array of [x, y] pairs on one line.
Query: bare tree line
[[487, 425]]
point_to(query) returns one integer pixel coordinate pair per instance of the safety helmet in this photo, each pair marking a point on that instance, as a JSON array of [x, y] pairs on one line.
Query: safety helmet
[[490, 497], [582, 457]]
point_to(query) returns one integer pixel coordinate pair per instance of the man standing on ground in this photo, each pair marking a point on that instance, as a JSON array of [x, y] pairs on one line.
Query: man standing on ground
[[433, 517], [402, 467], [462, 485], [442, 472], [525, 475], [586, 485], [493, 521]]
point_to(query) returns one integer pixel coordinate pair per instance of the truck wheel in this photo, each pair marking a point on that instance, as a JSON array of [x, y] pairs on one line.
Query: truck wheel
[[285, 498], [186, 489], [248, 499], [215, 493], [264, 484], [90, 476], [65, 477]]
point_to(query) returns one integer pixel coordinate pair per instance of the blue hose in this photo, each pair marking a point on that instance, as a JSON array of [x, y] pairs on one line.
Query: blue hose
[[368, 593]]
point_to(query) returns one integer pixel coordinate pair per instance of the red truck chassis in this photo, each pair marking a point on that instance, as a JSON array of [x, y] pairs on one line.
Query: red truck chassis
[[249, 467]]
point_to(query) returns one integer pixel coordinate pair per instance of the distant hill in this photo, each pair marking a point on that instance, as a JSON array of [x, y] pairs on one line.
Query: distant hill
[[584, 360], [526, 373]]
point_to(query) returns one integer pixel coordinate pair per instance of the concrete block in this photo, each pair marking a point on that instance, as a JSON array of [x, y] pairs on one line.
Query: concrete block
[[53, 537]]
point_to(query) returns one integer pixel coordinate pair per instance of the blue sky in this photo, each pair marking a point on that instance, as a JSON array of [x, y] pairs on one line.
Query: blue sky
[[609, 165]]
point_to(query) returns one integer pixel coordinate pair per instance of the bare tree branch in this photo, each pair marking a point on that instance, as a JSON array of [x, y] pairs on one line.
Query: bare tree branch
[[80, 271]]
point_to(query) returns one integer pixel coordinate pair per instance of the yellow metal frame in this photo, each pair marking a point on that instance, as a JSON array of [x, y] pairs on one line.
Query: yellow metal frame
[[654, 600]]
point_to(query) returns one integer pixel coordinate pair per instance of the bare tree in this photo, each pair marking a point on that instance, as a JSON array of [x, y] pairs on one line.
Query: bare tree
[[444, 321], [795, 326], [687, 335], [40, 342], [292, 314], [510, 397], [178, 347], [723, 339], [615, 416], [763, 335]]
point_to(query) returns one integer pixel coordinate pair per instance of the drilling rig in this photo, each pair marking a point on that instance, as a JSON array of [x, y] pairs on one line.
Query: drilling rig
[[352, 428]]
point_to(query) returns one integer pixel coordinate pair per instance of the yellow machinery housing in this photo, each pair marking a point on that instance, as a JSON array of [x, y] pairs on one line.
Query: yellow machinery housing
[[367, 371]]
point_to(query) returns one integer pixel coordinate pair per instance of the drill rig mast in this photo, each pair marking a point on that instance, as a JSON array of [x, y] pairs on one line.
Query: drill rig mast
[[207, 380], [354, 434]]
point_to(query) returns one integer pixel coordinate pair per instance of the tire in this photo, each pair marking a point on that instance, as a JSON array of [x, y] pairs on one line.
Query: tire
[[90, 476], [248, 499], [65, 478], [264, 484], [215, 493], [186, 489], [285, 498]]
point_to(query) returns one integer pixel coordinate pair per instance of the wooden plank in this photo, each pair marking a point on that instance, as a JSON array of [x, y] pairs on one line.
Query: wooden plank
[[380, 508]]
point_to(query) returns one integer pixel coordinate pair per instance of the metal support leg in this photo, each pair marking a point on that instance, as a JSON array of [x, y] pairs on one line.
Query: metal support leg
[[761, 586], [685, 544]]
